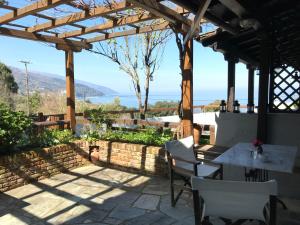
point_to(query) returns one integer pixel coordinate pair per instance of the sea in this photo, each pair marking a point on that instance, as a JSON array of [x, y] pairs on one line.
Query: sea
[[200, 97]]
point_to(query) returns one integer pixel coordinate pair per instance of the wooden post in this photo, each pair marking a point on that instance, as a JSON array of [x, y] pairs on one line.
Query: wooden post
[[187, 91], [264, 73], [232, 60], [70, 88], [250, 84]]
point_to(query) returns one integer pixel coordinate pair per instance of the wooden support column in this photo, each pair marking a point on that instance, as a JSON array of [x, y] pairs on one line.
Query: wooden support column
[[187, 91], [232, 60], [264, 74], [70, 88], [250, 84]]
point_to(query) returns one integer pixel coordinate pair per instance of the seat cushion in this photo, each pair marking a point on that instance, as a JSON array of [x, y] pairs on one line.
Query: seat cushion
[[204, 170]]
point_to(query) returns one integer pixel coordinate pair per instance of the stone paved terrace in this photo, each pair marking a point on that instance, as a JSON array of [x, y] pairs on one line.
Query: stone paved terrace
[[95, 195]]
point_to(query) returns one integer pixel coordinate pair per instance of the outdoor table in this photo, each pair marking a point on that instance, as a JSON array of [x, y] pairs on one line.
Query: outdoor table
[[278, 158]]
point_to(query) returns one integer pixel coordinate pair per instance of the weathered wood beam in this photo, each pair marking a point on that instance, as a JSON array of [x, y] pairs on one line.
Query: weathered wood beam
[[108, 25], [245, 58], [234, 7], [196, 23], [192, 7], [232, 60], [109, 17], [70, 89], [43, 38], [250, 84], [263, 90], [187, 91], [30, 9], [146, 29], [161, 11], [80, 16]]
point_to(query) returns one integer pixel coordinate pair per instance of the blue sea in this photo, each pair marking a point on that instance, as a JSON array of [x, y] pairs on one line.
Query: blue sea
[[200, 97]]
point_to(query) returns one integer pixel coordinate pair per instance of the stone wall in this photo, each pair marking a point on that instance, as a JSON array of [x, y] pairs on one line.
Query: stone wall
[[131, 157], [18, 169], [25, 167]]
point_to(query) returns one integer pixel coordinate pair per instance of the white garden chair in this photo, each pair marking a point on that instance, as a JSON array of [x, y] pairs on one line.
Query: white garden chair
[[234, 200], [182, 161]]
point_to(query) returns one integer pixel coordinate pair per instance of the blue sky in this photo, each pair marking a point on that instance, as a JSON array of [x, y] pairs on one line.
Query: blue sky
[[210, 69]]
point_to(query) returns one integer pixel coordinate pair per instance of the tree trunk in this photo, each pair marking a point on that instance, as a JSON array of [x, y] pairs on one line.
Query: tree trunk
[[147, 86]]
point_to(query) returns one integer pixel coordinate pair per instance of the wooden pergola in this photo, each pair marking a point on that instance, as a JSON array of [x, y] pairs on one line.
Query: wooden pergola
[[246, 31]]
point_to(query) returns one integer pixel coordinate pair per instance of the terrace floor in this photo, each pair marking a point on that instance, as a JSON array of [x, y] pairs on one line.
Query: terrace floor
[[96, 195]]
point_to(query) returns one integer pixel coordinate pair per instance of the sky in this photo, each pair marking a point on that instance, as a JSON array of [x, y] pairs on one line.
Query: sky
[[210, 68]]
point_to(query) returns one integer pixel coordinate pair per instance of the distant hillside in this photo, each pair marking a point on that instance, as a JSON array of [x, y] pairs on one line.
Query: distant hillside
[[45, 82]]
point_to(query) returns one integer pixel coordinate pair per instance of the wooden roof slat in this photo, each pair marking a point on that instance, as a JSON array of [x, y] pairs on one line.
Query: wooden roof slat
[[235, 7], [108, 25], [30, 9], [162, 11], [80, 16], [145, 29], [196, 23], [43, 38]]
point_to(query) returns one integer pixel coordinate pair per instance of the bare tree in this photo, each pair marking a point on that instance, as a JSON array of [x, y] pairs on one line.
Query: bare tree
[[179, 38], [139, 57]]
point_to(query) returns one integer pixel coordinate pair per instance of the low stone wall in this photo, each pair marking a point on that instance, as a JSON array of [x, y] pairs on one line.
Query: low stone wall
[[25, 167], [131, 157], [20, 168]]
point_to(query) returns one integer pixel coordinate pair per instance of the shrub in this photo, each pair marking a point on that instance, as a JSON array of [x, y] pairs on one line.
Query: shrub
[[54, 137], [13, 126], [149, 136], [99, 117]]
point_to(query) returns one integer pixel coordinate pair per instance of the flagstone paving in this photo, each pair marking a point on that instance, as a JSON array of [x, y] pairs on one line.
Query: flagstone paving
[[95, 195]]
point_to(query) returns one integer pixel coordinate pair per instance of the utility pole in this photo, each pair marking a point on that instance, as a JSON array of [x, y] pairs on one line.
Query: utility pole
[[27, 84]]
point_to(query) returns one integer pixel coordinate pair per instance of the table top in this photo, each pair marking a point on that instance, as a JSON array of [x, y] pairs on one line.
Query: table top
[[278, 158]]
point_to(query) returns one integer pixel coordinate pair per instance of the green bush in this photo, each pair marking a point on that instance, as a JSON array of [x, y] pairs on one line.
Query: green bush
[[99, 117], [13, 126], [149, 136], [54, 137]]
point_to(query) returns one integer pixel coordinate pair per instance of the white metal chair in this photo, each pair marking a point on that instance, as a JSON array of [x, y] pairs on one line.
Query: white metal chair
[[234, 200], [182, 161]]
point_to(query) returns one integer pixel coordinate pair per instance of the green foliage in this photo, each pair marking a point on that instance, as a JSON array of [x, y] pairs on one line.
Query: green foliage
[[13, 126], [35, 102], [7, 80], [54, 137], [149, 136], [163, 104], [99, 117], [114, 106], [213, 107], [90, 135]]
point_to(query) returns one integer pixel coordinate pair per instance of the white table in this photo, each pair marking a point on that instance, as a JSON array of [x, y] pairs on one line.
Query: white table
[[277, 158]]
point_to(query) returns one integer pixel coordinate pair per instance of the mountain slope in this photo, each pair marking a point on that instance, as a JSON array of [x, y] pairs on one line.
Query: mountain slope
[[45, 82]]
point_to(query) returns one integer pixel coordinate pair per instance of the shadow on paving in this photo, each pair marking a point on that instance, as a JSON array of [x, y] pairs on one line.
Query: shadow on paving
[[92, 195]]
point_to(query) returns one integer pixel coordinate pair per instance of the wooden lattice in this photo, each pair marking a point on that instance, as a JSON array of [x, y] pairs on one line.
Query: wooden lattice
[[285, 89]]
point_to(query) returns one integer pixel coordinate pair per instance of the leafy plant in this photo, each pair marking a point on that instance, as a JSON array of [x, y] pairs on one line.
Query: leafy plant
[[13, 126], [99, 117], [54, 137], [89, 134], [150, 136]]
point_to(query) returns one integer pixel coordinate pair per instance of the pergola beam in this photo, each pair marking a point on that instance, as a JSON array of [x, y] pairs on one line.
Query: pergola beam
[[80, 16], [196, 24], [108, 25], [161, 11], [234, 7], [146, 29], [30, 9], [43, 38]]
